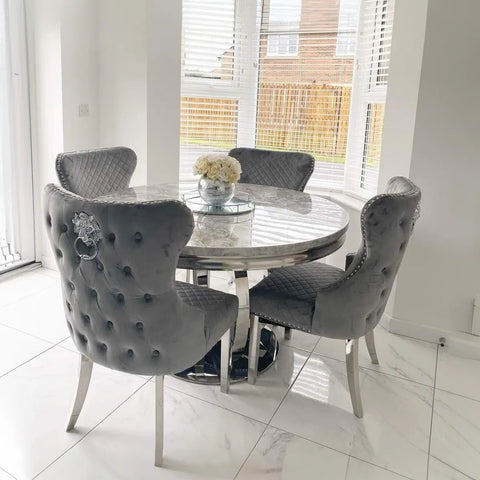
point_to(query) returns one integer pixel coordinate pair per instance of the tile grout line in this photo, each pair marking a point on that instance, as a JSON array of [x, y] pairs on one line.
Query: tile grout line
[[268, 424], [292, 384], [214, 404], [32, 335], [431, 417], [453, 468], [9, 474], [92, 429], [250, 453], [370, 369], [348, 467], [27, 361], [342, 453]]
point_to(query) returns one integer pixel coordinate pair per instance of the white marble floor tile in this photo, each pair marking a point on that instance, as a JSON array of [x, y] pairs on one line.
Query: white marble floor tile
[[50, 273], [439, 471], [69, 345], [400, 356], [394, 432], [301, 340], [201, 441], [21, 285], [5, 476], [35, 400], [283, 456], [40, 314], [456, 432], [358, 470], [458, 372], [257, 401], [17, 347]]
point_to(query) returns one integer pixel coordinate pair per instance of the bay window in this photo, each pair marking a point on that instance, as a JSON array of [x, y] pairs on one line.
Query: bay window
[[298, 75]]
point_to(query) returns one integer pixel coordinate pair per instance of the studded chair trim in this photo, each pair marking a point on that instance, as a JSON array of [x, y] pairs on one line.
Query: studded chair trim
[[347, 304], [124, 309], [92, 173], [353, 305], [274, 168]]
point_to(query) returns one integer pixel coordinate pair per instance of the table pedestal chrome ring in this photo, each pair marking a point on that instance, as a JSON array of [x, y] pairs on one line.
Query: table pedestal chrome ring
[[207, 370]]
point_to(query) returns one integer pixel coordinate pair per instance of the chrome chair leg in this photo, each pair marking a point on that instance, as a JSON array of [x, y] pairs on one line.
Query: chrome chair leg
[[84, 375], [158, 421], [288, 333], [225, 360], [253, 349], [370, 340], [351, 351]]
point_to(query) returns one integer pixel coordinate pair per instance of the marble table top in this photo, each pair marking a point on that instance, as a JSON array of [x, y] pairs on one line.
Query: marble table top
[[287, 227]]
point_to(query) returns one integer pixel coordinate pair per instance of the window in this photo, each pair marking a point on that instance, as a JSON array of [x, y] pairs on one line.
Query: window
[[283, 18], [16, 202], [369, 96], [282, 44], [347, 27], [269, 75]]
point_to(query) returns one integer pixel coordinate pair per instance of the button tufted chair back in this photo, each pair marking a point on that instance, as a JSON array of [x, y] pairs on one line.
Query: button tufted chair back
[[122, 307], [92, 173], [353, 305], [273, 168]]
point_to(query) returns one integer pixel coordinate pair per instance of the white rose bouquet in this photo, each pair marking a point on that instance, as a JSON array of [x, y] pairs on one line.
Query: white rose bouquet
[[218, 167]]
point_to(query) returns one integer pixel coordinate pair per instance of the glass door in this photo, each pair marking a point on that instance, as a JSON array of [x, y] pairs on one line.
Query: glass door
[[16, 197]]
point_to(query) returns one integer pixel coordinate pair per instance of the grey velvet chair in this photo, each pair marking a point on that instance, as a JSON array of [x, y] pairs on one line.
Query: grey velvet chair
[[92, 173], [122, 304], [330, 302], [274, 168]]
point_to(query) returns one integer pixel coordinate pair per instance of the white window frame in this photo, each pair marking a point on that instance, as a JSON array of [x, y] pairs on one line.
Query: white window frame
[[243, 87], [365, 91], [23, 188], [340, 51]]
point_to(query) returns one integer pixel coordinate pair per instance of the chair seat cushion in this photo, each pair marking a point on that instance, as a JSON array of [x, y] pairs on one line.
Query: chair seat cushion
[[221, 309], [287, 296]]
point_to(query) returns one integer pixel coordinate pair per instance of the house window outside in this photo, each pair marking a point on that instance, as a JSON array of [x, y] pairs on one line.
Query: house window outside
[[285, 44], [283, 24], [347, 27]]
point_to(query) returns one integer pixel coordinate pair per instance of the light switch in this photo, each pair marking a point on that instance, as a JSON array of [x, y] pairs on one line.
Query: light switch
[[83, 110]]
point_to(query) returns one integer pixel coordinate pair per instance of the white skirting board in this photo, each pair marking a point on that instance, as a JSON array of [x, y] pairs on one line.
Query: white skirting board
[[461, 341]]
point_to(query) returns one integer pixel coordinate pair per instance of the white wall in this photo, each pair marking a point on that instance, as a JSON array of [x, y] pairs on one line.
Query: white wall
[[44, 34], [79, 74], [122, 83], [439, 277]]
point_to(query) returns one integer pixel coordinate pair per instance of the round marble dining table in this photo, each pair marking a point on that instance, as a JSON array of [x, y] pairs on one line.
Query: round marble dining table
[[285, 228]]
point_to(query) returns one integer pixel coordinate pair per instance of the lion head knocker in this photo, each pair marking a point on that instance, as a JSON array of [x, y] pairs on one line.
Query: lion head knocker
[[89, 233]]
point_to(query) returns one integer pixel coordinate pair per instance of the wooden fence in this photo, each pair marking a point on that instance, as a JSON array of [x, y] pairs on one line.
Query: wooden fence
[[290, 116]]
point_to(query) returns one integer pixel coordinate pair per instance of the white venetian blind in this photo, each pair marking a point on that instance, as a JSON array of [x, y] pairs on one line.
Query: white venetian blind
[[279, 74], [369, 96], [305, 81], [219, 77]]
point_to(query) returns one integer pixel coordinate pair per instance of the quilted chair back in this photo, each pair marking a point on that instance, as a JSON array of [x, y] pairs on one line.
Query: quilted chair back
[[92, 173], [117, 263], [353, 306], [275, 169]]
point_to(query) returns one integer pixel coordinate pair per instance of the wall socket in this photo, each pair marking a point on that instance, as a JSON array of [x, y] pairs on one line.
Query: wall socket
[[83, 110]]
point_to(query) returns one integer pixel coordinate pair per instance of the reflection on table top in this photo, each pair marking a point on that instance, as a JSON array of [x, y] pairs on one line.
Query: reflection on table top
[[284, 222]]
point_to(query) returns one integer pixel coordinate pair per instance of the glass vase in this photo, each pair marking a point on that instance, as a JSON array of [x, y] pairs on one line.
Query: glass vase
[[214, 192]]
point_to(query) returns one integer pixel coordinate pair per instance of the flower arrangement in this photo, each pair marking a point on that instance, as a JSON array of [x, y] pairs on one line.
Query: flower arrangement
[[218, 167]]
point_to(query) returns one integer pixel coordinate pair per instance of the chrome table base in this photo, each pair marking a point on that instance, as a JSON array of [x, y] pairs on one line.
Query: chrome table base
[[207, 370]]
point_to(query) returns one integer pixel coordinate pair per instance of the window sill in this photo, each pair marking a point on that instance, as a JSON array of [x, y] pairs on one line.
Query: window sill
[[348, 201]]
